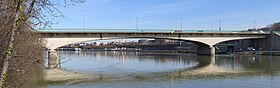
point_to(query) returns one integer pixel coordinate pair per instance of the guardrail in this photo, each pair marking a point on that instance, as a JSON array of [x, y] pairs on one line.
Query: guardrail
[[145, 30]]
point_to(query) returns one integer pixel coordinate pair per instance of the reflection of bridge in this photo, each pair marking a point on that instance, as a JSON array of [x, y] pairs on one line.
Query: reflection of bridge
[[207, 67], [205, 40], [237, 66]]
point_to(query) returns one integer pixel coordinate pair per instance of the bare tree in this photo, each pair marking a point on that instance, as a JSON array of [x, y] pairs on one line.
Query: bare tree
[[276, 26], [19, 16]]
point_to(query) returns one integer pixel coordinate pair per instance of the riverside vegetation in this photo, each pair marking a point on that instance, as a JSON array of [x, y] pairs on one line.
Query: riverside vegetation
[[21, 59]]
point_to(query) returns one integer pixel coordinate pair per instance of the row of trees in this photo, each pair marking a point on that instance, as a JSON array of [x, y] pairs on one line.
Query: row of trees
[[21, 48]]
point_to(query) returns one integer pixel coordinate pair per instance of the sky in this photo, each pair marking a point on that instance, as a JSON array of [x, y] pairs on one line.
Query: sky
[[169, 14]]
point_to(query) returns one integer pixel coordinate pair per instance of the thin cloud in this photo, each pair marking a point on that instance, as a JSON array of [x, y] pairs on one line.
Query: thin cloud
[[110, 5], [176, 6]]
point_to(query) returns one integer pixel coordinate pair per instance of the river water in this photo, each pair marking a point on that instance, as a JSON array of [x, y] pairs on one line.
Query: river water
[[170, 70]]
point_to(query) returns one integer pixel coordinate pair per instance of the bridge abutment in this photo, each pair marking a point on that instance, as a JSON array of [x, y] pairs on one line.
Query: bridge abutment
[[52, 58]]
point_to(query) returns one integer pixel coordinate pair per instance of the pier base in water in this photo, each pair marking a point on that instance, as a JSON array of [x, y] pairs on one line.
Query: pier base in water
[[52, 57]]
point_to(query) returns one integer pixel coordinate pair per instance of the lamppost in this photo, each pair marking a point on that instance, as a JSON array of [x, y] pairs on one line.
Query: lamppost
[[272, 45], [181, 24], [254, 24], [220, 25], [272, 40], [137, 23], [83, 22]]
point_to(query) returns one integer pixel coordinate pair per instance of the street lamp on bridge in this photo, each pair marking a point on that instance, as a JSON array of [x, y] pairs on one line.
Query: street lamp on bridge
[[181, 25], [137, 23], [220, 28], [254, 24]]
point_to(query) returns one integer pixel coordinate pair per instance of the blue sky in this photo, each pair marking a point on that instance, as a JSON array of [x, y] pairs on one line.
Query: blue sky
[[166, 14]]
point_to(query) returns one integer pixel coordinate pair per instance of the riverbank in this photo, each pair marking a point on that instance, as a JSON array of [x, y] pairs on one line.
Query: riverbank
[[61, 75], [161, 51], [58, 76], [274, 53]]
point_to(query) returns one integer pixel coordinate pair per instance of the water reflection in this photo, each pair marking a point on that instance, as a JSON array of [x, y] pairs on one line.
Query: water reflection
[[111, 61], [143, 69], [256, 63], [175, 61]]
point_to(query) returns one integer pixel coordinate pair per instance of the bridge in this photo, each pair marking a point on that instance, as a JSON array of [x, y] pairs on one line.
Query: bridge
[[206, 40]]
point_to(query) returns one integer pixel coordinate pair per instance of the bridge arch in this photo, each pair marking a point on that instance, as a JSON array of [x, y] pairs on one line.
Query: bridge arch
[[53, 43], [235, 40], [212, 41], [206, 44]]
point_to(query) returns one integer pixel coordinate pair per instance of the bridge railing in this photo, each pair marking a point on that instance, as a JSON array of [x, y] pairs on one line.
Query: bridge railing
[[146, 30]]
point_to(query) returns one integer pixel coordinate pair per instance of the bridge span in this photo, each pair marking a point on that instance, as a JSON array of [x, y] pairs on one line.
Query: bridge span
[[205, 40]]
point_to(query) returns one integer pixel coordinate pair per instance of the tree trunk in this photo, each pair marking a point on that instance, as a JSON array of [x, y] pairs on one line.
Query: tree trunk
[[8, 53]]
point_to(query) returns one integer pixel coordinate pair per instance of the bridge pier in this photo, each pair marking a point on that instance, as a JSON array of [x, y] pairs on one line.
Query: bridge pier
[[213, 59], [52, 57], [212, 51], [206, 50]]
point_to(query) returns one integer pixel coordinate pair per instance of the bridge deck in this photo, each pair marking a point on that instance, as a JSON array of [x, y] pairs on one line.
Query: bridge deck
[[149, 34], [141, 30]]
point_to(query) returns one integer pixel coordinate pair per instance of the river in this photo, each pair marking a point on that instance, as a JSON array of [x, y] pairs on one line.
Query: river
[[170, 70]]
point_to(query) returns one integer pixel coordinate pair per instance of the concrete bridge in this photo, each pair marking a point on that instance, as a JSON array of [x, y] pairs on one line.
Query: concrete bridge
[[205, 40]]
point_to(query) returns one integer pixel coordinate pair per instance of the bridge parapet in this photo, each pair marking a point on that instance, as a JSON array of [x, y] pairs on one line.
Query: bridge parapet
[[147, 30], [145, 34]]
